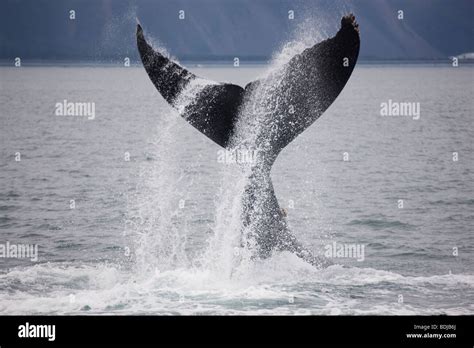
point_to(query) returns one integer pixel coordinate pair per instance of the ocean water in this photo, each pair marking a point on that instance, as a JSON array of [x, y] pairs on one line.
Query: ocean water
[[150, 196]]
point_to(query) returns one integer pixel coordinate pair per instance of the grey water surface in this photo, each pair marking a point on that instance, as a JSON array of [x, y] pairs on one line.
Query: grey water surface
[[148, 191]]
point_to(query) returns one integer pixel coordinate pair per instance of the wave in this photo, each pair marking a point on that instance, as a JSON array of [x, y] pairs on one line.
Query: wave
[[380, 224]]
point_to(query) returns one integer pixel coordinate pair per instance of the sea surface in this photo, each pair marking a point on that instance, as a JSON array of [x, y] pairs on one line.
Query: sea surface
[[124, 207]]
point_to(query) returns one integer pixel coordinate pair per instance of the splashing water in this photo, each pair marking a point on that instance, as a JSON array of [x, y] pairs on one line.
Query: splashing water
[[229, 249], [157, 225], [156, 231]]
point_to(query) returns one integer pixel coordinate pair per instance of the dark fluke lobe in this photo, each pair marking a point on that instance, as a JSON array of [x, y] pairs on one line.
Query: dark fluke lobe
[[213, 111]]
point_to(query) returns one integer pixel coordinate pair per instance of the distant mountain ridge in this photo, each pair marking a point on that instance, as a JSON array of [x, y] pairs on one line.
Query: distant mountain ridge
[[220, 29]]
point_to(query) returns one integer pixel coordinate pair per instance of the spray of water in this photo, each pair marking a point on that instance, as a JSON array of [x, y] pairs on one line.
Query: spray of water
[[232, 246], [159, 242], [157, 227]]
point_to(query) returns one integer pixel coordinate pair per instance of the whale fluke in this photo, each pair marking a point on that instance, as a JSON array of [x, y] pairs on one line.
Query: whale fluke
[[313, 80], [303, 90]]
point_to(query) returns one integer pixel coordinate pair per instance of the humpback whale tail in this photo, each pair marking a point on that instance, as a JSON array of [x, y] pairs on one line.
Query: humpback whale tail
[[299, 94]]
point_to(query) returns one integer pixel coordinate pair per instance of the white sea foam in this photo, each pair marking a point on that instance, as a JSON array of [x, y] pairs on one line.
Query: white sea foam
[[266, 288]]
